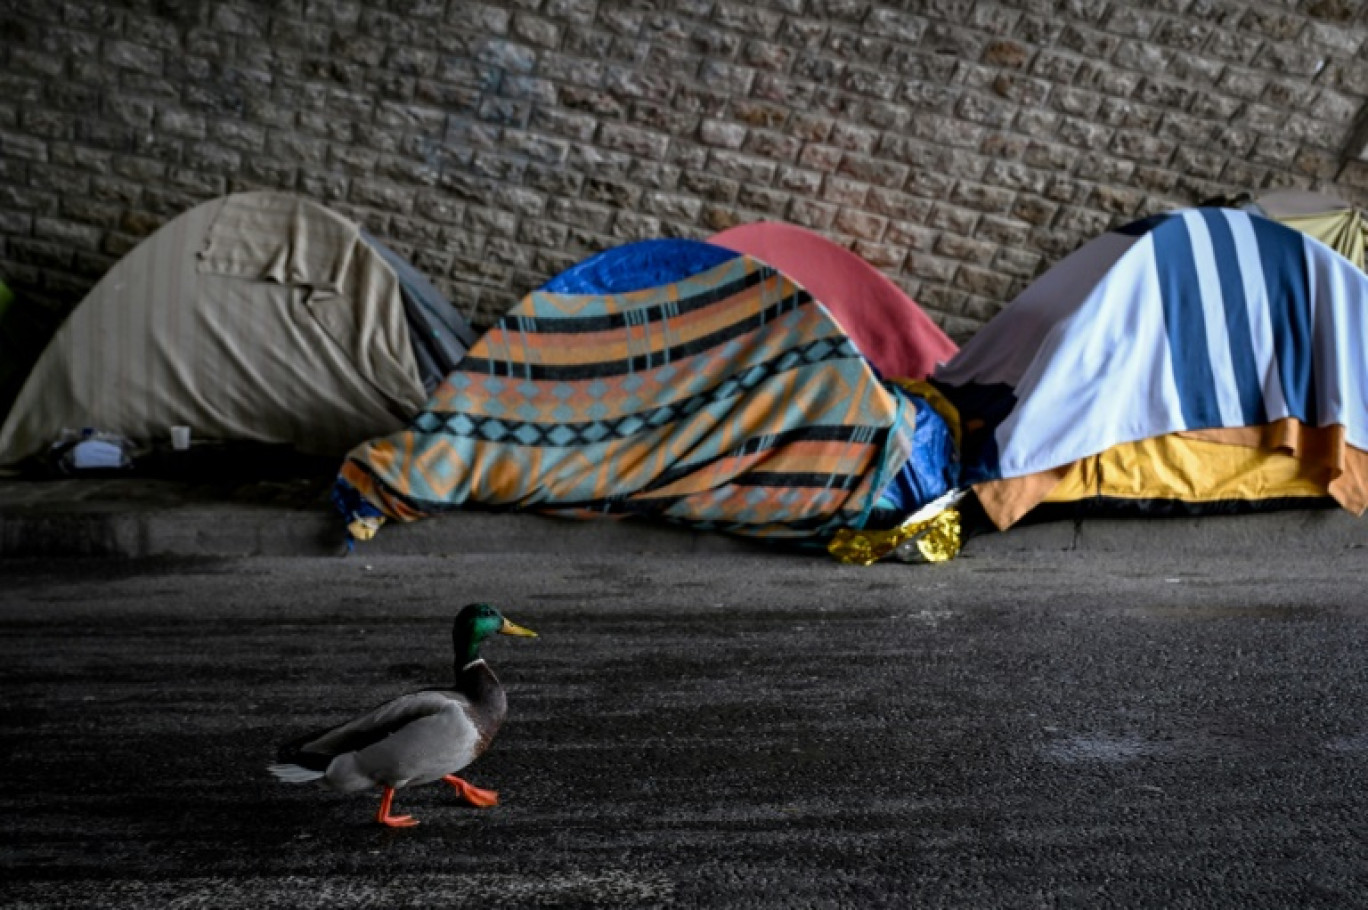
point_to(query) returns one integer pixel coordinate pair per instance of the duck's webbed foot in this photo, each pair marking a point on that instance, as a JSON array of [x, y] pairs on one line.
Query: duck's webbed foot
[[392, 821], [472, 794]]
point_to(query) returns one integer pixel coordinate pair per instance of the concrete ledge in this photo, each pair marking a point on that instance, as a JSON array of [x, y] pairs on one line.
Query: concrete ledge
[[1274, 533], [148, 518]]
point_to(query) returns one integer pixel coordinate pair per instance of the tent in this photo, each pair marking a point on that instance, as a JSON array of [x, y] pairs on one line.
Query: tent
[[672, 379], [1203, 360], [1332, 221], [257, 317], [895, 334]]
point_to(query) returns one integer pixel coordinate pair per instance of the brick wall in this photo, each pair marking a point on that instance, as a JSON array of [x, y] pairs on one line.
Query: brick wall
[[962, 146]]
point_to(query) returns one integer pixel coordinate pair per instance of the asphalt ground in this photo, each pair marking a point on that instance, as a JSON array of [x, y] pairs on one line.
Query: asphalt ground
[[1010, 729]]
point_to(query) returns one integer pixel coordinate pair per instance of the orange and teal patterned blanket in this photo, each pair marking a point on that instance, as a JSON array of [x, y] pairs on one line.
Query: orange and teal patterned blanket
[[729, 400]]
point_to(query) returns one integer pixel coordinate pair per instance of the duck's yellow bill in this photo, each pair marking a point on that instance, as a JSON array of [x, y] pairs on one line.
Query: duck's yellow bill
[[512, 628]]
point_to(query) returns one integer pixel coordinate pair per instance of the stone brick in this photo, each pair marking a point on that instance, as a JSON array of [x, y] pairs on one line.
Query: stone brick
[[883, 256], [1275, 150], [783, 90], [1049, 156], [509, 56], [68, 233], [1233, 47], [1088, 42], [1317, 163], [772, 145], [630, 226], [980, 197], [663, 119], [726, 77], [1002, 231], [1183, 34], [1142, 146], [799, 181], [985, 110], [688, 156], [1286, 58], [634, 141], [896, 26], [28, 148], [929, 267], [953, 219], [844, 192], [1101, 168], [580, 214], [1004, 146], [1034, 210], [1155, 180], [609, 192], [911, 236], [1215, 107], [874, 83], [983, 282], [626, 82], [860, 224], [592, 101], [743, 16], [1006, 53], [709, 187], [536, 31], [873, 170], [931, 184], [538, 148], [722, 134], [530, 89], [886, 117], [856, 47], [718, 42], [382, 194], [809, 214], [1075, 102], [558, 122], [1116, 200], [134, 57], [1335, 38], [772, 203]]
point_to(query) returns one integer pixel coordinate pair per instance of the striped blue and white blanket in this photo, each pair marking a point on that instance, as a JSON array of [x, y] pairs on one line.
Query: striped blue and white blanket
[[1198, 319]]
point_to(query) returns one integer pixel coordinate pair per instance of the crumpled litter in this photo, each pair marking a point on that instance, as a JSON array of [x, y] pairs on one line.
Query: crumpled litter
[[931, 534]]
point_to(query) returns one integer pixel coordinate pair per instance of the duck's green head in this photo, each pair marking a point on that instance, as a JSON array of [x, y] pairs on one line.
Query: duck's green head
[[475, 623]]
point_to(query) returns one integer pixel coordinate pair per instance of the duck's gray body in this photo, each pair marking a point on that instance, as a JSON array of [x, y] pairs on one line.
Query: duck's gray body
[[411, 740]]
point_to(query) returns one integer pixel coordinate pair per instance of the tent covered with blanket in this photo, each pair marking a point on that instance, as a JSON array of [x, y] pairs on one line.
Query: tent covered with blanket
[[258, 317], [673, 379], [1331, 220], [891, 331], [1202, 361]]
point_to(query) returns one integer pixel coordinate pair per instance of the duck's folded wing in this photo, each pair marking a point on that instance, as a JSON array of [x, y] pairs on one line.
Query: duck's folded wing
[[369, 728]]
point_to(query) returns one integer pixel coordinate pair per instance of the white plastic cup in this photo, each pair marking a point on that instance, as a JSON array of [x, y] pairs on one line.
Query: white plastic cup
[[180, 438]]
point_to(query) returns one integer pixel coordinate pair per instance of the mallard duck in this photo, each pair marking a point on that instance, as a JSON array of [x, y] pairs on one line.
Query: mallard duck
[[416, 738]]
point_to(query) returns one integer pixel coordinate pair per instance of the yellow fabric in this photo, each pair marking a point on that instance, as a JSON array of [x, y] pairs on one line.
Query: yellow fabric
[[1344, 231], [939, 403], [1191, 470], [1280, 460]]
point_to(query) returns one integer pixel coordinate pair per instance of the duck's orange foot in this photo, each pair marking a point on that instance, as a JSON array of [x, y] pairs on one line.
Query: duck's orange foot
[[472, 794], [392, 821]]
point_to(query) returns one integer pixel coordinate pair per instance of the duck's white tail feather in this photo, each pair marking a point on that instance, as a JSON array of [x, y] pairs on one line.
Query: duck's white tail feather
[[294, 774]]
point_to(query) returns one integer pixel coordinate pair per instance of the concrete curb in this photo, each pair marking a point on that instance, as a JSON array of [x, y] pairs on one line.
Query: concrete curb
[[147, 518]]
